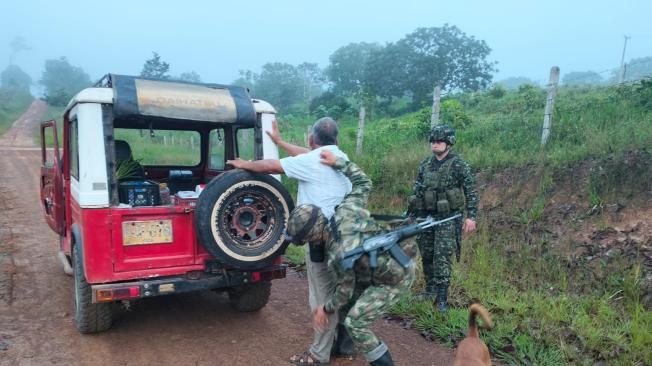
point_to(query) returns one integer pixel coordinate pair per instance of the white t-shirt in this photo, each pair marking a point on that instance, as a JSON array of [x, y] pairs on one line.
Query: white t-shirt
[[319, 184]]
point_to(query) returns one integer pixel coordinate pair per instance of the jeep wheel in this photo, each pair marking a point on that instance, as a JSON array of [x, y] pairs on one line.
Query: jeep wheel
[[89, 317], [251, 297], [240, 218]]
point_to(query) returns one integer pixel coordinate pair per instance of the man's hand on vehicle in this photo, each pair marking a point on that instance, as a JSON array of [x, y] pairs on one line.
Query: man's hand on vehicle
[[238, 163], [275, 134]]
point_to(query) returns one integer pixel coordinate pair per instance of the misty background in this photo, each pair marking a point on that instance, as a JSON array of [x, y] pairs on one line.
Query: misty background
[[216, 40]]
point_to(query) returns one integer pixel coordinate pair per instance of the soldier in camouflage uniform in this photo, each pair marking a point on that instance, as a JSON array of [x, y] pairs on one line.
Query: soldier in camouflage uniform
[[367, 293], [445, 186]]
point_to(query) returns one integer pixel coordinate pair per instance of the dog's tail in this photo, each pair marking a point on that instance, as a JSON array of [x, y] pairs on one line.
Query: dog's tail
[[474, 310]]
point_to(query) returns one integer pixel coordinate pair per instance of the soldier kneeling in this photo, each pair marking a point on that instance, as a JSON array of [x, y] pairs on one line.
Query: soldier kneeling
[[365, 292]]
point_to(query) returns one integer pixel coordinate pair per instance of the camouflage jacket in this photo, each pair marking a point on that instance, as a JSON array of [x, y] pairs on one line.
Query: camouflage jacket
[[460, 176], [350, 225]]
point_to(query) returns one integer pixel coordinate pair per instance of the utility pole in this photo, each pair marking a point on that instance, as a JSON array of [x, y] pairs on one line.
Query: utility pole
[[550, 104], [622, 62]]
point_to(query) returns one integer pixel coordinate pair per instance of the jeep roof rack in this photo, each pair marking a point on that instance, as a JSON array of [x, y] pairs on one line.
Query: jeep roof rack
[[136, 97]]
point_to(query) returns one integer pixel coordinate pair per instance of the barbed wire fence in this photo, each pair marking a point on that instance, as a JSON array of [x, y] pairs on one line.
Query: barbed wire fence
[[589, 74]]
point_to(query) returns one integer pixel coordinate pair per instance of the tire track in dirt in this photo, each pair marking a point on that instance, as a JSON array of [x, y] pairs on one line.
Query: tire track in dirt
[[6, 258]]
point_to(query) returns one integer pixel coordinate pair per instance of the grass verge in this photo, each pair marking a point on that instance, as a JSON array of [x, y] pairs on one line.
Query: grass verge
[[539, 316], [12, 106]]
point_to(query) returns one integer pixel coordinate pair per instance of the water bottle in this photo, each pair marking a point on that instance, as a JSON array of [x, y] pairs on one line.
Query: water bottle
[[164, 193]]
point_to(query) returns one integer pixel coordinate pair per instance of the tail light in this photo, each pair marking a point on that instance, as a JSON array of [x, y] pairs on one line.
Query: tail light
[[119, 293]]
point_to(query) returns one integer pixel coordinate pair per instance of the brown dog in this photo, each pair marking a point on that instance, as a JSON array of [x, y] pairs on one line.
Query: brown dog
[[472, 350]]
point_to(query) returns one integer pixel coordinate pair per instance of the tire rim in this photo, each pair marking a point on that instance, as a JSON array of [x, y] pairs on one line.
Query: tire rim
[[249, 219]]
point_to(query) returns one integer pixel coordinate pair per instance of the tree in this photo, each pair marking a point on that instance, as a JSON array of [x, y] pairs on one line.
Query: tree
[[246, 79], [13, 78], [514, 82], [445, 56], [155, 68], [17, 45], [582, 78], [62, 81], [280, 84], [330, 104], [312, 80], [191, 76], [385, 71], [346, 69]]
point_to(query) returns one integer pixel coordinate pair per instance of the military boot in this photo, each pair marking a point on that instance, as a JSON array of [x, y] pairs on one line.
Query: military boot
[[384, 360], [380, 356], [428, 294], [343, 346], [442, 297]]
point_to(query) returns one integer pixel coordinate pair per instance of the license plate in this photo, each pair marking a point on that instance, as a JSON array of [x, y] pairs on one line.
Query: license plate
[[146, 232]]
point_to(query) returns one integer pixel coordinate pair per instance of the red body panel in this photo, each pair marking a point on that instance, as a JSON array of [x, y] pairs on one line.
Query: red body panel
[[106, 259]]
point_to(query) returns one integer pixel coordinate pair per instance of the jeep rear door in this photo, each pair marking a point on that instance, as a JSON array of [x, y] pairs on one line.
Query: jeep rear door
[[51, 178]]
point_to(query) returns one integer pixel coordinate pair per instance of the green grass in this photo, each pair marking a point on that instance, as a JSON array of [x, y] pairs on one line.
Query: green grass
[[546, 310], [156, 150], [12, 106], [295, 255], [538, 319]]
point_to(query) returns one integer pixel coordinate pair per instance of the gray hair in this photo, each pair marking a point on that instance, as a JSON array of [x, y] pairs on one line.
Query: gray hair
[[324, 131]]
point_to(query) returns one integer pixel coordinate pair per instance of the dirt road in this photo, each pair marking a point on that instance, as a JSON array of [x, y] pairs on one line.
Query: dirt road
[[22, 131], [36, 326]]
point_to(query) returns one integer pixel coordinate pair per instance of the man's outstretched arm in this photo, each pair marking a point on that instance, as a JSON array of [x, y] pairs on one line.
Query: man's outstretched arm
[[291, 149], [269, 166]]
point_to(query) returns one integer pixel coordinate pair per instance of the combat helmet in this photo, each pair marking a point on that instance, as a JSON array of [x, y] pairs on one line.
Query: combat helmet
[[444, 133], [306, 224]]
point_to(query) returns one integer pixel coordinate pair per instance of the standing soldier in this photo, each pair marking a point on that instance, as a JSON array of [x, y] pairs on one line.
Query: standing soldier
[[445, 186], [365, 292]]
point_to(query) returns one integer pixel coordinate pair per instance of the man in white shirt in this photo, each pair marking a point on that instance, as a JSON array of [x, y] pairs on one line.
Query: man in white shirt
[[324, 187]]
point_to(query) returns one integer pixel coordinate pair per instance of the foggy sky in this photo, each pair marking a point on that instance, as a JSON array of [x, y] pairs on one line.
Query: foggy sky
[[218, 38]]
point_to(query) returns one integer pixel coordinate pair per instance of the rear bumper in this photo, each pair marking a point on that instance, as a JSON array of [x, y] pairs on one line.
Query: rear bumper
[[179, 284]]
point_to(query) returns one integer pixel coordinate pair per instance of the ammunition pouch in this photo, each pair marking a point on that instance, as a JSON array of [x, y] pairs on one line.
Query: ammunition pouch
[[440, 202], [443, 207], [415, 204], [455, 197], [430, 200]]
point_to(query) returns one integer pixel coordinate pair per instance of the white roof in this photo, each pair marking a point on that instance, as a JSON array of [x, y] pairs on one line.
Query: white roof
[[91, 95], [262, 106]]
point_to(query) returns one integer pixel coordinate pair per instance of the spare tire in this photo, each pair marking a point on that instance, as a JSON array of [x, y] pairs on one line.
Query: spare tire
[[240, 218]]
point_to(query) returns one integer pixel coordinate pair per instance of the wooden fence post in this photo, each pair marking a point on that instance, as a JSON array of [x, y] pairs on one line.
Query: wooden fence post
[[550, 104], [358, 144], [306, 135], [436, 98]]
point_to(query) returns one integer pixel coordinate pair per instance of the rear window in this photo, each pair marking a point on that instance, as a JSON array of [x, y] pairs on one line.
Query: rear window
[[245, 143], [162, 147]]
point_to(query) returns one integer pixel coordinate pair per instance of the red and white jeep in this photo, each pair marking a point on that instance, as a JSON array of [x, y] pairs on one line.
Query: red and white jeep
[[123, 190]]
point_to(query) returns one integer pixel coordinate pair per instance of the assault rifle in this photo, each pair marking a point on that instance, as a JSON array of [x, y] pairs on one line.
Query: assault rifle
[[389, 242]]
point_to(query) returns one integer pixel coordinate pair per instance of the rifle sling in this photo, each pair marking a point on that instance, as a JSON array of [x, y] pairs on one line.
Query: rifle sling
[[335, 231]]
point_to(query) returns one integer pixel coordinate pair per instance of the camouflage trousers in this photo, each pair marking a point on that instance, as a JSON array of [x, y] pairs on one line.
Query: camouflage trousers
[[436, 247], [373, 301]]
